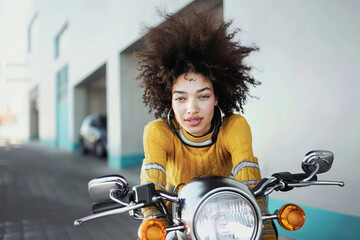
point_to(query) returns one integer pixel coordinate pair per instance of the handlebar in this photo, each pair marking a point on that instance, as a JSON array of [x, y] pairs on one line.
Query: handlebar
[[166, 196], [142, 196], [285, 181], [108, 213], [146, 195], [104, 206]]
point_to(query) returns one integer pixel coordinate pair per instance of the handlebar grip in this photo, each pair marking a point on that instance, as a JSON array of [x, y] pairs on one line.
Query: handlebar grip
[[287, 178], [259, 185], [284, 176], [104, 206], [302, 176], [293, 178]]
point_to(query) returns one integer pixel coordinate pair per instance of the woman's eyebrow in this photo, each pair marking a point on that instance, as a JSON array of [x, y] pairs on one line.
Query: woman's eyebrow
[[179, 92], [204, 89], [198, 91]]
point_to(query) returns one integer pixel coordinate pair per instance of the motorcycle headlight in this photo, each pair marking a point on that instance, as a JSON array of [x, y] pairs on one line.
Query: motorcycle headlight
[[226, 215]]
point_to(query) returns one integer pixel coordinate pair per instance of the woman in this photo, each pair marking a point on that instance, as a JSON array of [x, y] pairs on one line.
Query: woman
[[193, 74]]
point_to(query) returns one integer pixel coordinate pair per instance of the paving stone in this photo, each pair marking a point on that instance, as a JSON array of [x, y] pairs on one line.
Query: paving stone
[[43, 190], [12, 236]]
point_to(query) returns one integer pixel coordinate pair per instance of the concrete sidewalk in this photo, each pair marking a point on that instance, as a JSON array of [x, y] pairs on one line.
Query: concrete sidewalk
[[43, 190]]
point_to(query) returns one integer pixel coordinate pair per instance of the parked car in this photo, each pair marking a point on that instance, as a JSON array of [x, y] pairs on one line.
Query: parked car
[[93, 135]]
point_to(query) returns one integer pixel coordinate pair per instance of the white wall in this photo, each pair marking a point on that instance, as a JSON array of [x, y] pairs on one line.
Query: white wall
[[130, 17], [309, 66], [96, 34], [97, 101], [13, 69], [134, 113]]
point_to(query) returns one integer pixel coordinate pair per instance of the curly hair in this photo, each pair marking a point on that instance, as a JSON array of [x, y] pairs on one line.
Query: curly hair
[[194, 41]]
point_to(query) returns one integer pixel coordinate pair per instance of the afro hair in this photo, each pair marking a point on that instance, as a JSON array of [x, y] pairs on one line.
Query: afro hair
[[194, 41]]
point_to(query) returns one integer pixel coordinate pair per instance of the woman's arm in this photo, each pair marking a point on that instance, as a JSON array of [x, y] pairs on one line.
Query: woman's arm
[[154, 164], [245, 165]]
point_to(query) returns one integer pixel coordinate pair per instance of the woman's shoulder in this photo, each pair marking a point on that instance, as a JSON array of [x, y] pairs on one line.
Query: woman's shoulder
[[157, 127], [158, 123], [234, 120], [235, 124], [235, 130]]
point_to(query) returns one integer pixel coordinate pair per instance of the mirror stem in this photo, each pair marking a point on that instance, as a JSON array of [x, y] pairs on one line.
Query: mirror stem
[[313, 173], [112, 196]]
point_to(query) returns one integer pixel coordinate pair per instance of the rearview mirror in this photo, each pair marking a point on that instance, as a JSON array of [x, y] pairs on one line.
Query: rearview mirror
[[99, 188], [317, 160]]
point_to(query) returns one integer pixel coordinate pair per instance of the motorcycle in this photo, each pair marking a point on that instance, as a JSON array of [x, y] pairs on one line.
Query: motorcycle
[[208, 207]]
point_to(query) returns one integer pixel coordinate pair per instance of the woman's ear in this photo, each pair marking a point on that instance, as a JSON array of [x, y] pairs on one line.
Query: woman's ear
[[216, 101]]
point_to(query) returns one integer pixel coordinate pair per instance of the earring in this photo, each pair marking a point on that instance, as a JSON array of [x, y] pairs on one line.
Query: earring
[[220, 113], [170, 123]]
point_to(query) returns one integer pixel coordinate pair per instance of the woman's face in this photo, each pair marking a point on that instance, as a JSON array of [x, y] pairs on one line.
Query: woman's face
[[193, 102]]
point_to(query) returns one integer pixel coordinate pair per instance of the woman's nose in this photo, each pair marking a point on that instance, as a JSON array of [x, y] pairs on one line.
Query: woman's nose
[[193, 107]]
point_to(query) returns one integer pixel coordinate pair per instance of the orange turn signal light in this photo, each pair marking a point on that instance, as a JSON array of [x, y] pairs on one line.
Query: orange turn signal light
[[291, 217], [152, 229]]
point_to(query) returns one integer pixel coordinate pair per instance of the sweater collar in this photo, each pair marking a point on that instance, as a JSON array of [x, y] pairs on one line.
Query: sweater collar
[[197, 139]]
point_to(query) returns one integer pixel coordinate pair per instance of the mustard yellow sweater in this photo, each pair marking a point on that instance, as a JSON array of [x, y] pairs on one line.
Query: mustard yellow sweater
[[168, 162]]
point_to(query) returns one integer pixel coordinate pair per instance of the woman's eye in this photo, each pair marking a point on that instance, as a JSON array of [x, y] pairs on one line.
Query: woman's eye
[[203, 97], [179, 99]]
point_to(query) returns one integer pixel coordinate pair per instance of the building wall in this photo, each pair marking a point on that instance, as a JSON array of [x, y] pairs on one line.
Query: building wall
[[97, 100], [13, 71], [94, 33], [308, 65]]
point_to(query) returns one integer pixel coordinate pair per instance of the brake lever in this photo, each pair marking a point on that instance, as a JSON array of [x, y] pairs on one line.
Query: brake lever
[[78, 222], [279, 186], [261, 188], [308, 183], [286, 181]]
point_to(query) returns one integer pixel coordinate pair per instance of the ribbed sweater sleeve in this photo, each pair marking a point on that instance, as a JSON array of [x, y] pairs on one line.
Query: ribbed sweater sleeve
[[154, 164], [245, 166]]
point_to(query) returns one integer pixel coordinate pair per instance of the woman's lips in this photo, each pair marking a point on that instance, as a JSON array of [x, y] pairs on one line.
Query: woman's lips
[[193, 121]]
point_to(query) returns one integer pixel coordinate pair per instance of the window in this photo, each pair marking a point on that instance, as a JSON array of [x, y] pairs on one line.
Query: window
[[61, 83], [32, 32], [59, 40]]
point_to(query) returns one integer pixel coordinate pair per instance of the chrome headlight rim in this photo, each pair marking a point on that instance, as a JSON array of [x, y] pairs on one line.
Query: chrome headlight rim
[[242, 194]]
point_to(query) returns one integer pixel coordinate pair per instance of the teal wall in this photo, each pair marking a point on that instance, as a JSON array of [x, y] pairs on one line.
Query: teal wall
[[321, 224], [125, 161], [74, 146], [62, 128], [49, 142], [34, 138]]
